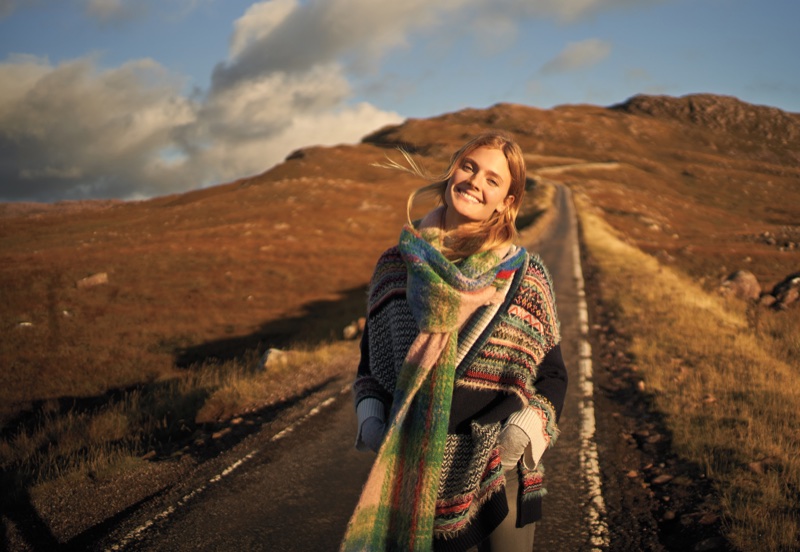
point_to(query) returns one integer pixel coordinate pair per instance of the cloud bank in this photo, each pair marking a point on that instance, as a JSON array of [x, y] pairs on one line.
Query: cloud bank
[[78, 130]]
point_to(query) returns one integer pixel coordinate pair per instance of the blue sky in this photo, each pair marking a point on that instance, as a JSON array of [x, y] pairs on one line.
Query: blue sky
[[139, 98]]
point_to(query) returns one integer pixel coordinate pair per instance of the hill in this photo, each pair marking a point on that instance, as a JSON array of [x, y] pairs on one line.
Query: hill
[[709, 183]]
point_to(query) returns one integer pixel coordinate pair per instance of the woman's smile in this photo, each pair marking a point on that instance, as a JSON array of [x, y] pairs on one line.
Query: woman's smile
[[478, 187]]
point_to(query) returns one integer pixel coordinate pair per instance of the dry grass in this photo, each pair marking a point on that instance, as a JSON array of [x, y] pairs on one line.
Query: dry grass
[[729, 391], [200, 284], [87, 439]]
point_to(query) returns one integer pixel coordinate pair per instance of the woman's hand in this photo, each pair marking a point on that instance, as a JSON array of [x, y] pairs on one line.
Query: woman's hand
[[372, 432], [512, 442]]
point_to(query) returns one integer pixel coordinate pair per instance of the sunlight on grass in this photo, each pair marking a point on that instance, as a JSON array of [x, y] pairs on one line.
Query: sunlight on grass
[[91, 439], [729, 391]]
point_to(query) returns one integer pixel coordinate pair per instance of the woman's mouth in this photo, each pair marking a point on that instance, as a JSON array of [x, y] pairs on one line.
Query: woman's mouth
[[468, 197]]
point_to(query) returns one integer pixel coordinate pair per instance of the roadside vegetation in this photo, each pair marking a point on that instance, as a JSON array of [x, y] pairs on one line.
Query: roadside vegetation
[[726, 377], [96, 439], [138, 373]]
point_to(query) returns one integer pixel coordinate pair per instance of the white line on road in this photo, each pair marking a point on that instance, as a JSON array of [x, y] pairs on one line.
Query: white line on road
[[598, 528], [138, 533]]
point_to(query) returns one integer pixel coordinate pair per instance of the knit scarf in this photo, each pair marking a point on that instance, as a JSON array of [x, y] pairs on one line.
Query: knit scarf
[[397, 505]]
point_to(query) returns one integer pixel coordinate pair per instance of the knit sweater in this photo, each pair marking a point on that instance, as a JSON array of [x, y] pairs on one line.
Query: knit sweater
[[509, 370]]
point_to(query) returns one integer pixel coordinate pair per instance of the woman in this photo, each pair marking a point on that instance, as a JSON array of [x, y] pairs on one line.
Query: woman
[[461, 379]]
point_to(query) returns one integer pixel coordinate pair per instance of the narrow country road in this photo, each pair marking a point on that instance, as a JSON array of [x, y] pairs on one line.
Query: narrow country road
[[297, 492]]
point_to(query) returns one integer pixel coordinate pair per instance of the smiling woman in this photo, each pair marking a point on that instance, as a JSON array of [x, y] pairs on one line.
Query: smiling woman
[[478, 187], [461, 379]]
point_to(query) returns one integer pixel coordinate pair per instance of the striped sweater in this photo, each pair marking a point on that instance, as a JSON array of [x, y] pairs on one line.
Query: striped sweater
[[509, 366]]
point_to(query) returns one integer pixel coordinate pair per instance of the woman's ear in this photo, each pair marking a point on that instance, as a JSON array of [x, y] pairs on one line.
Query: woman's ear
[[507, 202]]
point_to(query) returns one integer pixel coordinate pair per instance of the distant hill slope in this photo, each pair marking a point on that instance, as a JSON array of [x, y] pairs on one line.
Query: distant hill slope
[[744, 121], [285, 254]]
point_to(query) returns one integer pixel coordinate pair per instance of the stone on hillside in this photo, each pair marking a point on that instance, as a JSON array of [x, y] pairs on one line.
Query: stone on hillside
[[662, 479], [742, 284], [787, 291], [98, 279], [273, 357], [766, 300], [350, 331]]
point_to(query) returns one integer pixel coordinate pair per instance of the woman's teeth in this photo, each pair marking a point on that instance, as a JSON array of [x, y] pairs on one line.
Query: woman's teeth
[[468, 197]]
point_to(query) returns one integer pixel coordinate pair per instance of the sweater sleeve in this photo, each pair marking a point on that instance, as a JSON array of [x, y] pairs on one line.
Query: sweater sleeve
[[539, 420], [371, 399], [366, 385]]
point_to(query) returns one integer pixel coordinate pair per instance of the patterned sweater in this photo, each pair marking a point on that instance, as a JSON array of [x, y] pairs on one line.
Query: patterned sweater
[[509, 364]]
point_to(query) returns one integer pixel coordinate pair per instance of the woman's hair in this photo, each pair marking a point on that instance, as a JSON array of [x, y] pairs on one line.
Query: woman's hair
[[500, 228]]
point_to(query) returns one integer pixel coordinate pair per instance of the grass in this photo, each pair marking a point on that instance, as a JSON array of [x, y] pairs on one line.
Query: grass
[[729, 388], [84, 438], [200, 283]]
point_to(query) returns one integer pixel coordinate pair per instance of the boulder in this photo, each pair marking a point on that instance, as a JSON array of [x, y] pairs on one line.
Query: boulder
[[98, 279], [274, 357], [787, 291], [742, 284]]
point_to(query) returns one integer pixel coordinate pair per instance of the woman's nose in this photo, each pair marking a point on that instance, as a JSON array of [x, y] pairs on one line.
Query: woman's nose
[[474, 179]]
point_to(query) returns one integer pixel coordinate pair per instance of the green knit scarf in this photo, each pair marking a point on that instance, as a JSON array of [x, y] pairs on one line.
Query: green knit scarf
[[397, 505]]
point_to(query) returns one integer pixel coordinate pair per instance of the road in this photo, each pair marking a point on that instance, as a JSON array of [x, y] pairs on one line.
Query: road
[[296, 493]]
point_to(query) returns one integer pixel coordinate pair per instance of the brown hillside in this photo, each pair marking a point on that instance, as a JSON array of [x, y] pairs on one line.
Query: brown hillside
[[708, 183]]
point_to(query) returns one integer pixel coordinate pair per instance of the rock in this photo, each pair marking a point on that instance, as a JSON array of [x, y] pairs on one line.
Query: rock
[[350, 331], [766, 300], [355, 328], [98, 279], [662, 479], [274, 357], [221, 433], [742, 284], [786, 291]]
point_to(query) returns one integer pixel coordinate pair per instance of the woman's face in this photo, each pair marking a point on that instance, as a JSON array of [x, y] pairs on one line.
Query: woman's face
[[479, 187]]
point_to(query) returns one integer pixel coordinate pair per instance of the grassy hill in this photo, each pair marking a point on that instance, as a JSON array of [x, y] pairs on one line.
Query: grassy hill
[[203, 282]]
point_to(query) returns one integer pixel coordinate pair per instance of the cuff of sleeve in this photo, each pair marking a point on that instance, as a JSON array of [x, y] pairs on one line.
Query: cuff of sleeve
[[530, 420], [368, 407]]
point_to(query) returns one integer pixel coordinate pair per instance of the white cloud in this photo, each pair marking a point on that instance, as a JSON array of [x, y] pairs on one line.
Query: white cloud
[[578, 55], [258, 22], [250, 126], [295, 37], [74, 131]]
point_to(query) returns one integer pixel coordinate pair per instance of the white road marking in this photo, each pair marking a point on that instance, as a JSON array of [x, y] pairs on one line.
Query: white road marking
[[598, 528], [137, 534]]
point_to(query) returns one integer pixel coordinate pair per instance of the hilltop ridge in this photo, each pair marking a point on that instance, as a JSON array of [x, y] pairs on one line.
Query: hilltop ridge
[[209, 262]]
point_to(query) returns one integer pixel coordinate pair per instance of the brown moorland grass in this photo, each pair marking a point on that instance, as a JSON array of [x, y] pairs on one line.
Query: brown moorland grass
[[728, 390], [200, 284]]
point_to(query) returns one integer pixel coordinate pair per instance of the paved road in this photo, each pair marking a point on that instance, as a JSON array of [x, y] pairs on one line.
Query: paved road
[[297, 493]]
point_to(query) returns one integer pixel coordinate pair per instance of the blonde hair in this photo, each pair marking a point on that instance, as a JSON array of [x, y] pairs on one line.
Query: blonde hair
[[500, 228]]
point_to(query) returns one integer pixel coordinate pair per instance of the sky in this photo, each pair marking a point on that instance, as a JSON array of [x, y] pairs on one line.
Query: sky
[[131, 99]]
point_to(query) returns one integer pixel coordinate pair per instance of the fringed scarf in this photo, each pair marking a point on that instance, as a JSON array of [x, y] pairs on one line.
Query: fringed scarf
[[397, 505]]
